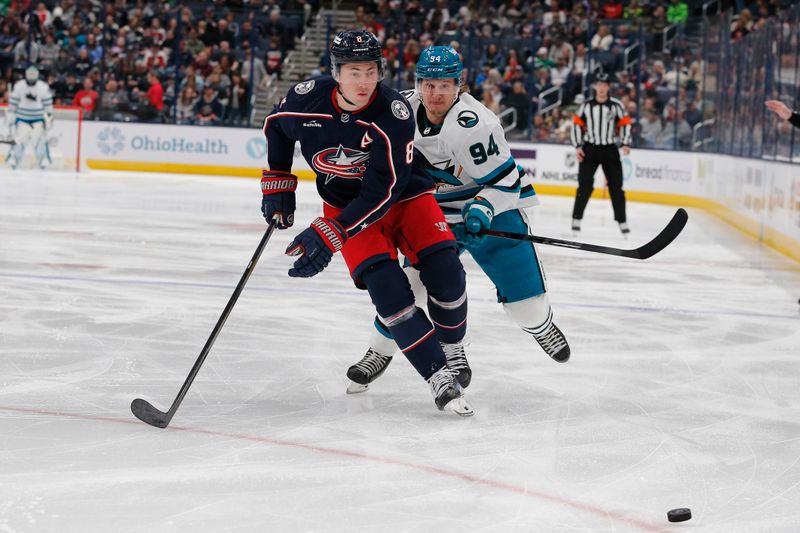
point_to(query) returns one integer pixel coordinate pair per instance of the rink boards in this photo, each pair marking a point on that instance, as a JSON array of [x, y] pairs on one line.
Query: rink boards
[[759, 197]]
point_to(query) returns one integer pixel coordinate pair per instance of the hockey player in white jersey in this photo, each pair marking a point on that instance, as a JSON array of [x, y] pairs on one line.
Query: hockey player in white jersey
[[479, 186], [30, 115]]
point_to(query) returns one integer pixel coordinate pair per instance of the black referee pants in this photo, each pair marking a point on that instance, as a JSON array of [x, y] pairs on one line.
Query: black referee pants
[[608, 157]]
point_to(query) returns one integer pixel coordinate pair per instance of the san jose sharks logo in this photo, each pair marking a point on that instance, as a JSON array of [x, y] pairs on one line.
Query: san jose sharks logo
[[340, 162], [442, 172]]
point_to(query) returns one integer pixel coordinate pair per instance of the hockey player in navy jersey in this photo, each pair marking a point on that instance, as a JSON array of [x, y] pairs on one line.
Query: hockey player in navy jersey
[[479, 186], [358, 137]]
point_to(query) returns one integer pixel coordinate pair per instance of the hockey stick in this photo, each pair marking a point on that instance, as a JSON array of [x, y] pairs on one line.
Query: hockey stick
[[144, 410], [12, 142], [661, 241]]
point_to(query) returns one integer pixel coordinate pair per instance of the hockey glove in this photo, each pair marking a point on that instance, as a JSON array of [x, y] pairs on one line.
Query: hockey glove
[[315, 246], [478, 214], [48, 121], [278, 188]]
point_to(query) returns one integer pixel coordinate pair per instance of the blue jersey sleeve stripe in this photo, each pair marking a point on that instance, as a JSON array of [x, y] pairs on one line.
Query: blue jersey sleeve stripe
[[499, 173]]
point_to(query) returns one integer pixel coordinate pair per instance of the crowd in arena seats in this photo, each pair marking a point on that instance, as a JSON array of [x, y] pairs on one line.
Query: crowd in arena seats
[[152, 61], [199, 62], [537, 56]]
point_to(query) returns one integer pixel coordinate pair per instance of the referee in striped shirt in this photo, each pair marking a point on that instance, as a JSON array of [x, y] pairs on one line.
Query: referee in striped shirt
[[593, 136]]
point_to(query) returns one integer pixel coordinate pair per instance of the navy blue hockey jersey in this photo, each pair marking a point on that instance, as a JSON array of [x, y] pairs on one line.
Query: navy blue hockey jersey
[[363, 160]]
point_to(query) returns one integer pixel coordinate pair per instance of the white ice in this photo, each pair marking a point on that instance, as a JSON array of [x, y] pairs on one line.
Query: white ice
[[683, 389]]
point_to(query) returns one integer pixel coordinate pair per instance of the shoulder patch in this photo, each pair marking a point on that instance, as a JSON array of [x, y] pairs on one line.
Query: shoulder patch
[[400, 110], [467, 118], [304, 87]]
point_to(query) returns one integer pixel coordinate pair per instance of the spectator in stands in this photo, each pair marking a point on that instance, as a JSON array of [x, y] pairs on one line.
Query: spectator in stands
[[677, 12], [114, 101], [225, 33], [540, 60], [275, 27], [193, 43], [153, 98], [21, 49], [581, 62], [633, 11], [555, 16], [561, 48], [602, 40], [82, 64], [48, 54], [184, 108], [65, 91], [274, 57], [488, 99], [743, 25], [518, 99], [238, 107], [493, 58], [650, 130], [86, 98], [612, 9], [559, 73], [259, 72], [208, 111], [512, 63]]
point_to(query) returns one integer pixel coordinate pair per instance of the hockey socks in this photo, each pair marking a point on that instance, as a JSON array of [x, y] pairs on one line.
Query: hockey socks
[[416, 337]]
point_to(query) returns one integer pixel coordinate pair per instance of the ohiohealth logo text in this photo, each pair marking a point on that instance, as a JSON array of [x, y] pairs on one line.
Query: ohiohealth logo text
[[146, 143]]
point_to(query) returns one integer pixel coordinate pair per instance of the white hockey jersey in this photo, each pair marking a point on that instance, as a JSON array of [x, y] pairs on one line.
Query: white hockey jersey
[[30, 103], [468, 155]]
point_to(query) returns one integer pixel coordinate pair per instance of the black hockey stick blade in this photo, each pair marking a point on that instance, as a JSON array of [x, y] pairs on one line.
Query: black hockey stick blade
[[144, 411], [12, 142], [658, 243]]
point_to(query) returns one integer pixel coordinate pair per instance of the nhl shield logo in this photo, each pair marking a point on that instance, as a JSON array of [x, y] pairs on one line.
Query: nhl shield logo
[[400, 110], [304, 87]]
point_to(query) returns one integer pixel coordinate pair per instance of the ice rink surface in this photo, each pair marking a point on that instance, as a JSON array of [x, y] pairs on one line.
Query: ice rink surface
[[683, 389]]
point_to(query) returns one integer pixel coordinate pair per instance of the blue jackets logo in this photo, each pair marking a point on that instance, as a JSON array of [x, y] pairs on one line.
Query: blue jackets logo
[[111, 141], [340, 162]]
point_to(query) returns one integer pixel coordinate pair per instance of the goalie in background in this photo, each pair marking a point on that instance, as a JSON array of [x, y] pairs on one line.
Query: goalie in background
[[30, 115]]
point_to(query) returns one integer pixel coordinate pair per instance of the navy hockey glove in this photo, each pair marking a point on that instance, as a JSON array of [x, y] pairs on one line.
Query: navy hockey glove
[[278, 188], [478, 214], [315, 246]]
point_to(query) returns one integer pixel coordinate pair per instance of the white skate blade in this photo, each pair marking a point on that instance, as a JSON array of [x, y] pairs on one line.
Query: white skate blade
[[459, 406], [355, 388]]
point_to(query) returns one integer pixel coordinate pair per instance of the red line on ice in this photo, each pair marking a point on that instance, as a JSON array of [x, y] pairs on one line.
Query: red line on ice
[[523, 491]]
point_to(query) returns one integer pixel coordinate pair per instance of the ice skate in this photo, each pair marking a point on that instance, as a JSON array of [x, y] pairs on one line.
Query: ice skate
[[457, 362], [625, 229], [447, 392], [554, 343], [576, 224], [361, 374]]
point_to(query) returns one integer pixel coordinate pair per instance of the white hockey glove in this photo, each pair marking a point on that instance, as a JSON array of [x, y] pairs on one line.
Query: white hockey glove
[[48, 120]]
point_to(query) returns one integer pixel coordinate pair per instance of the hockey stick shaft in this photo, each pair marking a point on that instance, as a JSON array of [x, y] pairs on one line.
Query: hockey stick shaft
[[146, 412], [658, 243]]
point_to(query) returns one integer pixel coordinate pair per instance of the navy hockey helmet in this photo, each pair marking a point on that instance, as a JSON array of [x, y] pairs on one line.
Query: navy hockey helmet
[[356, 46]]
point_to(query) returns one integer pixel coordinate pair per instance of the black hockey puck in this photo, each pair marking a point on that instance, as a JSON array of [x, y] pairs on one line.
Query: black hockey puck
[[679, 515]]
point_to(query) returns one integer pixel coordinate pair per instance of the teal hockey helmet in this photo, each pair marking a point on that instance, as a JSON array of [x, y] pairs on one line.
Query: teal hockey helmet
[[439, 62]]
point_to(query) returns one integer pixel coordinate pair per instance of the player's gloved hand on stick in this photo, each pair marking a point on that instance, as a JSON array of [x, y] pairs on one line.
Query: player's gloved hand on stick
[[478, 214], [315, 246], [278, 188]]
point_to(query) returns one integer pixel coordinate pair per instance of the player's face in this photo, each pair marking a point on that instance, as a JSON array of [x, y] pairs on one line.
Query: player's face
[[357, 82], [437, 95]]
